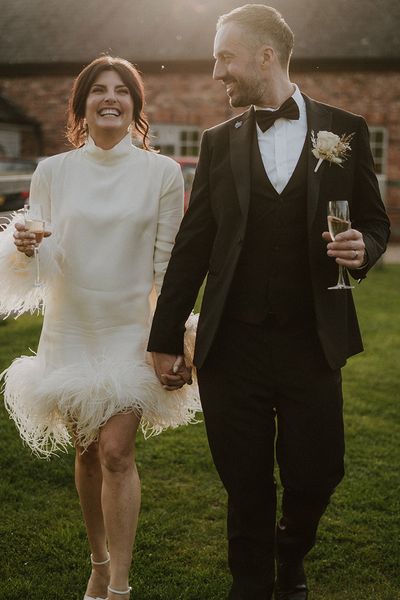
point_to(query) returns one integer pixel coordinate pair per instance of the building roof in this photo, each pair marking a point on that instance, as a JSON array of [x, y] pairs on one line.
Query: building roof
[[162, 32]]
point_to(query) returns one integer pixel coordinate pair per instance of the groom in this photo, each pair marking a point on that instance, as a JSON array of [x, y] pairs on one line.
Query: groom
[[271, 337]]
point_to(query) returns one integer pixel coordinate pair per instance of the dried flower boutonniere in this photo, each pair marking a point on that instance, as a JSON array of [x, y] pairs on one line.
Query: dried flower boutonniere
[[331, 147]]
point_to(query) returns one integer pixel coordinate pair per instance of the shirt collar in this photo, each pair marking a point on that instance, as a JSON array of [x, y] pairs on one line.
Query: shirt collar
[[297, 97]]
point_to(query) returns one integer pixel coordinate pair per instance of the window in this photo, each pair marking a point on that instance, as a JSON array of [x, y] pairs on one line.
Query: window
[[176, 140], [379, 147], [10, 141], [189, 140]]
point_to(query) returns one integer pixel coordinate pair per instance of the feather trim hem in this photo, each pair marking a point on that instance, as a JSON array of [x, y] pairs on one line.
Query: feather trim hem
[[48, 406]]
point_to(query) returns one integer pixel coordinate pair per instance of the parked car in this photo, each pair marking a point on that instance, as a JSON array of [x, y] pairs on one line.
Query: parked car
[[188, 166], [15, 177]]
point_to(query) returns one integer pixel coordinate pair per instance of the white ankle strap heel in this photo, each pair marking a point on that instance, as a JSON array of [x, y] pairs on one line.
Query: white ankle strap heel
[[113, 591], [97, 562]]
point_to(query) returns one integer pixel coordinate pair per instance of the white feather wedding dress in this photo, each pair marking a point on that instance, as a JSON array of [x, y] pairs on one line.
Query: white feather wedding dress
[[114, 215]]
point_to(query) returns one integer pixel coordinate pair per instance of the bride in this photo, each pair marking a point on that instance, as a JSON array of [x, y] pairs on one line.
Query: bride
[[114, 211]]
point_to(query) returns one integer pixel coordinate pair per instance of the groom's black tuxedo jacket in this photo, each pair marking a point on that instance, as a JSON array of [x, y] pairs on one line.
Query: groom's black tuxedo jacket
[[212, 232]]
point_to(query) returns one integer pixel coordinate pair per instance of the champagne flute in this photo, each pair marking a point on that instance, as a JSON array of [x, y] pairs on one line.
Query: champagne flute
[[34, 222], [338, 222]]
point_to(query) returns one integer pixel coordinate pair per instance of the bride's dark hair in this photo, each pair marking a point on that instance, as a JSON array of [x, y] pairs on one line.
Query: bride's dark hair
[[76, 127]]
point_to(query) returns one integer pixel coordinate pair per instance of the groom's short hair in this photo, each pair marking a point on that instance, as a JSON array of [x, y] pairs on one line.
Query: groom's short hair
[[264, 25]]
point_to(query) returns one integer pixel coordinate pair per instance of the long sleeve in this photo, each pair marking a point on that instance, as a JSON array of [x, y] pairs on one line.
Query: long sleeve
[[17, 271], [187, 267], [368, 212], [169, 219]]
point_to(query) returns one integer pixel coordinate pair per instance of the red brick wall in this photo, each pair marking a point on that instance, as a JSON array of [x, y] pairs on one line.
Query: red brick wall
[[45, 99], [195, 99], [30, 143]]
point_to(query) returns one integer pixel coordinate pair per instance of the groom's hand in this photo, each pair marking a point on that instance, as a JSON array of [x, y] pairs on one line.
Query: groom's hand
[[171, 370], [348, 249]]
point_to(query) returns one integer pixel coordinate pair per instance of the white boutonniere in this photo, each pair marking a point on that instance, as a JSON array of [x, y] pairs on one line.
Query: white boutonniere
[[331, 147]]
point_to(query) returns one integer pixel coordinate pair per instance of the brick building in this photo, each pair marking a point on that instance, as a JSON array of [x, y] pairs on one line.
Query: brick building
[[347, 53]]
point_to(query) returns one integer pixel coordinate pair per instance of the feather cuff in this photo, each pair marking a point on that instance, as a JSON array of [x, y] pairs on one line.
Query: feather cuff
[[17, 272]]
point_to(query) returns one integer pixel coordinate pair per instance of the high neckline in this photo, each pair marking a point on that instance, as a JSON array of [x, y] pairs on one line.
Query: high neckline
[[112, 155]]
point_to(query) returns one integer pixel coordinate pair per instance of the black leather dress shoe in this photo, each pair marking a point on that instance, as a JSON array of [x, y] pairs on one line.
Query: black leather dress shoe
[[300, 592], [291, 583], [235, 595]]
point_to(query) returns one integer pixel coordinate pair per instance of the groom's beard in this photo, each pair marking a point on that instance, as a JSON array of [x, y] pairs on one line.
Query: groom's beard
[[244, 92]]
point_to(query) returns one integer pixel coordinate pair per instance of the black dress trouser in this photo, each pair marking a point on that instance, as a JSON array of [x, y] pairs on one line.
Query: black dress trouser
[[267, 389]]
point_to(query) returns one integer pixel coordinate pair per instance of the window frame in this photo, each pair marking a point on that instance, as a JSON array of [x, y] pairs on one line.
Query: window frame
[[380, 162], [169, 138]]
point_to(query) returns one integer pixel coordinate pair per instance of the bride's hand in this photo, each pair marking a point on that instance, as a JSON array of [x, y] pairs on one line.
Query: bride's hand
[[171, 370], [25, 240]]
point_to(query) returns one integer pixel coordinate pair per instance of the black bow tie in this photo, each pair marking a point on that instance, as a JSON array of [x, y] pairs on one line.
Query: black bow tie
[[288, 110]]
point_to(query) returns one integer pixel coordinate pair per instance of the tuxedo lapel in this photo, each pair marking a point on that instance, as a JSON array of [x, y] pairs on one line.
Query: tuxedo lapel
[[240, 137], [319, 118]]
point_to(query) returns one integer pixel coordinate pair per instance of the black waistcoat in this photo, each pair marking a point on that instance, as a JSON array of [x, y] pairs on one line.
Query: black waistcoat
[[273, 275]]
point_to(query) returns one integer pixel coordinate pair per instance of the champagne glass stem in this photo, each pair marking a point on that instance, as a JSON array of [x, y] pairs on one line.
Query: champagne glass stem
[[37, 276], [341, 282]]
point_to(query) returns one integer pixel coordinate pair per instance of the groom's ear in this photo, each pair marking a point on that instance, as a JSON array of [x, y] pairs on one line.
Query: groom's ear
[[266, 56]]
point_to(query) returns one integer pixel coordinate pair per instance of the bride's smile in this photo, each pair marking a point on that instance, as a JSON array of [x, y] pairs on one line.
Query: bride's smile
[[109, 109]]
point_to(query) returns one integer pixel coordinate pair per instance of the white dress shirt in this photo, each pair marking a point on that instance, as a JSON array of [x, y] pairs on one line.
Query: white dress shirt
[[281, 145]]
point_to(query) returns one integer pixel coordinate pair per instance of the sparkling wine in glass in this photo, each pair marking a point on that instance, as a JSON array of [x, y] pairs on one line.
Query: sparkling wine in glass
[[34, 222], [338, 222]]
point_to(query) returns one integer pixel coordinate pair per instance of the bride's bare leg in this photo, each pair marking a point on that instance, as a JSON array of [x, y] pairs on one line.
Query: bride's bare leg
[[89, 480], [120, 495]]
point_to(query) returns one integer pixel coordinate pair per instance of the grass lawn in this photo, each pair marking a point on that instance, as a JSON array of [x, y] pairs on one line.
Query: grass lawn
[[181, 548]]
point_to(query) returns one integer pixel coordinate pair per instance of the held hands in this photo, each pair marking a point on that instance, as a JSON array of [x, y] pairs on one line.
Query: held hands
[[25, 240], [171, 370], [348, 249]]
